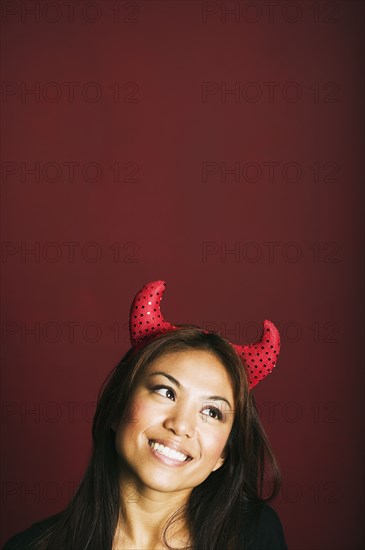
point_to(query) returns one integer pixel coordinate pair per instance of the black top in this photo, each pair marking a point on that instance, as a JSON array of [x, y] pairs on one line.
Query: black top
[[268, 536]]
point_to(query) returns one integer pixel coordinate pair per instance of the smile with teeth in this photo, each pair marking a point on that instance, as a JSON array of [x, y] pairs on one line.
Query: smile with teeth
[[166, 451]]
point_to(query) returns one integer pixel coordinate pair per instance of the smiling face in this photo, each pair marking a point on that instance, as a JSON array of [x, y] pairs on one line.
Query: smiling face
[[178, 422]]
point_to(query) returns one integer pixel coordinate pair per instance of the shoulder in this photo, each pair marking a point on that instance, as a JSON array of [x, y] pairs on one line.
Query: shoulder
[[23, 540], [270, 533], [261, 528]]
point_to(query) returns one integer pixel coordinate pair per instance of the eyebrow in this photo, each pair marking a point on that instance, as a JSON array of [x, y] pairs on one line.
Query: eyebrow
[[177, 383]]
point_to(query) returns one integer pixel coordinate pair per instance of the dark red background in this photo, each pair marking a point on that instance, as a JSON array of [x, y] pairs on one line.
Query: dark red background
[[163, 214]]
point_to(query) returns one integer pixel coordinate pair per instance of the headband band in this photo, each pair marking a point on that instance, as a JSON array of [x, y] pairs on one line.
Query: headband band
[[146, 320]]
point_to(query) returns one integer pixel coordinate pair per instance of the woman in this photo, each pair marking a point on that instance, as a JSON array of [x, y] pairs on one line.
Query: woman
[[179, 453]]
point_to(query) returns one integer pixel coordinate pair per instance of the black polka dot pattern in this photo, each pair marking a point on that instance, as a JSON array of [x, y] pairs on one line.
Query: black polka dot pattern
[[145, 318], [259, 359]]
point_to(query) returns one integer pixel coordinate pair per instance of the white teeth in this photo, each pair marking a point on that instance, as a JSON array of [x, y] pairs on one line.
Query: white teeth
[[170, 453]]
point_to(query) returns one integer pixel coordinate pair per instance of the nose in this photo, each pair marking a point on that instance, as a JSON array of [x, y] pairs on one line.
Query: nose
[[181, 420]]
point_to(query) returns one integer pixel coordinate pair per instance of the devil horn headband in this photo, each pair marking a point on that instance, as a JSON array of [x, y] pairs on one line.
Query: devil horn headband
[[146, 320]]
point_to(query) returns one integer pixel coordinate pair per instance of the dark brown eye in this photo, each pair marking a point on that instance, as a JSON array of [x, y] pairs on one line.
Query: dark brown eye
[[165, 392], [213, 412]]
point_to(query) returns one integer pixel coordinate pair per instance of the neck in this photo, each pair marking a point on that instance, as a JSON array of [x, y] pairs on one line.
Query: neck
[[144, 513]]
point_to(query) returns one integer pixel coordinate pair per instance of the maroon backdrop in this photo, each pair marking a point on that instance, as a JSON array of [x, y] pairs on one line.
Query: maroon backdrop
[[215, 146]]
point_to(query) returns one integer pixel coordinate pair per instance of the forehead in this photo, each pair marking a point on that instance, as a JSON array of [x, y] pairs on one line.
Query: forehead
[[198, 369]]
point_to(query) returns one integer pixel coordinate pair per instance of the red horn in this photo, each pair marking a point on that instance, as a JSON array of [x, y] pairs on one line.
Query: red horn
[[260, 358], [145, 317]]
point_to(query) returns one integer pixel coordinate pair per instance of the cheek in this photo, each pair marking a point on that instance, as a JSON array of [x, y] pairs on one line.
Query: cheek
[[215, 444], [132, 412], [138, 415]]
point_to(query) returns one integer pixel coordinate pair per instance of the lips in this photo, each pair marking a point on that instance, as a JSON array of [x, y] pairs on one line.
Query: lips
[[170, 449]]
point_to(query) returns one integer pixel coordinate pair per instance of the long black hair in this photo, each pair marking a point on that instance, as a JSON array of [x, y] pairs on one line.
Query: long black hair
[[217, 509]]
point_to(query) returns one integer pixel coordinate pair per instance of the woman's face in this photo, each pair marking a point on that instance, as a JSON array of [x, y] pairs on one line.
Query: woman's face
[[178, 422]]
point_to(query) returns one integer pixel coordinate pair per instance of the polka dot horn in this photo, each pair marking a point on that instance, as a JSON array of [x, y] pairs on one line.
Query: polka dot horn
[[260, 358], [146, 320]]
